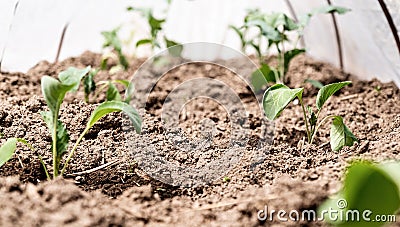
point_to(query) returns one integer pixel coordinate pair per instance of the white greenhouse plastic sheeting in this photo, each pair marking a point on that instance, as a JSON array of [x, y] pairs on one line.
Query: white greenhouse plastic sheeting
[[368, 42]]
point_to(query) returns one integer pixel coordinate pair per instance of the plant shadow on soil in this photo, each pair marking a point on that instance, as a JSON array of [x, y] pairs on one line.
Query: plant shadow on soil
[[288, 178]]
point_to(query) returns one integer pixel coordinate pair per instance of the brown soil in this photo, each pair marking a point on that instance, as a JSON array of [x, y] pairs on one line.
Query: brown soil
[[288, 177]]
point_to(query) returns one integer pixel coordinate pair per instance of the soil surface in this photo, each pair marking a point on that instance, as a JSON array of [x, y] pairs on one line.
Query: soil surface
[[281, 174]]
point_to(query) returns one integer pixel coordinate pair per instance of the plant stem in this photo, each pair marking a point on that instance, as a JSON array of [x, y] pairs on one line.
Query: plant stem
[[282, 63], [278, 79], [73, 150], [305, 119], [44, 167], [54, 140], [319, 125]]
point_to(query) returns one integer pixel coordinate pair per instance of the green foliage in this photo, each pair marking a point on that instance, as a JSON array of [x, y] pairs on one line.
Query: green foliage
[[314, 83], [112, 93], [54, 92], [274, 29], [327, 91], [340, 135], [112, 40], [115, 106], [101, 111], [7, 150], [367, 187], [156, 37], [89, 84], [226, 179], [277, 98]]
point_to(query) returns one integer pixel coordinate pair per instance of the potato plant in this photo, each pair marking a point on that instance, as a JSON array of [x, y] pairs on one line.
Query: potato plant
[[54, 91], [274, 29], [277, 98], [367, 187]]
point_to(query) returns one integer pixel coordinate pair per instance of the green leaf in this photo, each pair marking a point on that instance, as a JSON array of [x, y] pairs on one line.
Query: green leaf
[[240, 34], [54, 91], [143, 42], [112, 93], [89, 84], [7, 150], [327, 91], [262, 76], [73, 76], [115, 106], [367, 187], [341, 135], [122, 60], [393, 170], [331, 9], [129, 93], [103, 63], [289, 55], [111, 39], [305, 19], [62, 137], [175, 49], [276, 20], [62, 140], [277, 97], [315, 83], [313, 118], [125, 83], [266, 30]]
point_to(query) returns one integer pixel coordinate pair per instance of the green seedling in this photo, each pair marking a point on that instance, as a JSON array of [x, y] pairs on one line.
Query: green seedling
[[89, 84], [277, 98], [112, 93], [156, 39], [111, 40], [368, 190], [274, 29], [226, 179], [54, 92]]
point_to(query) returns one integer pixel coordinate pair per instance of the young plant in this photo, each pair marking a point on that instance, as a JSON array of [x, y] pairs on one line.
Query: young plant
[[274, 29], [112, 93], [54, 92], [367, 187], [277, 98], [111, 40], [156, 39]]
